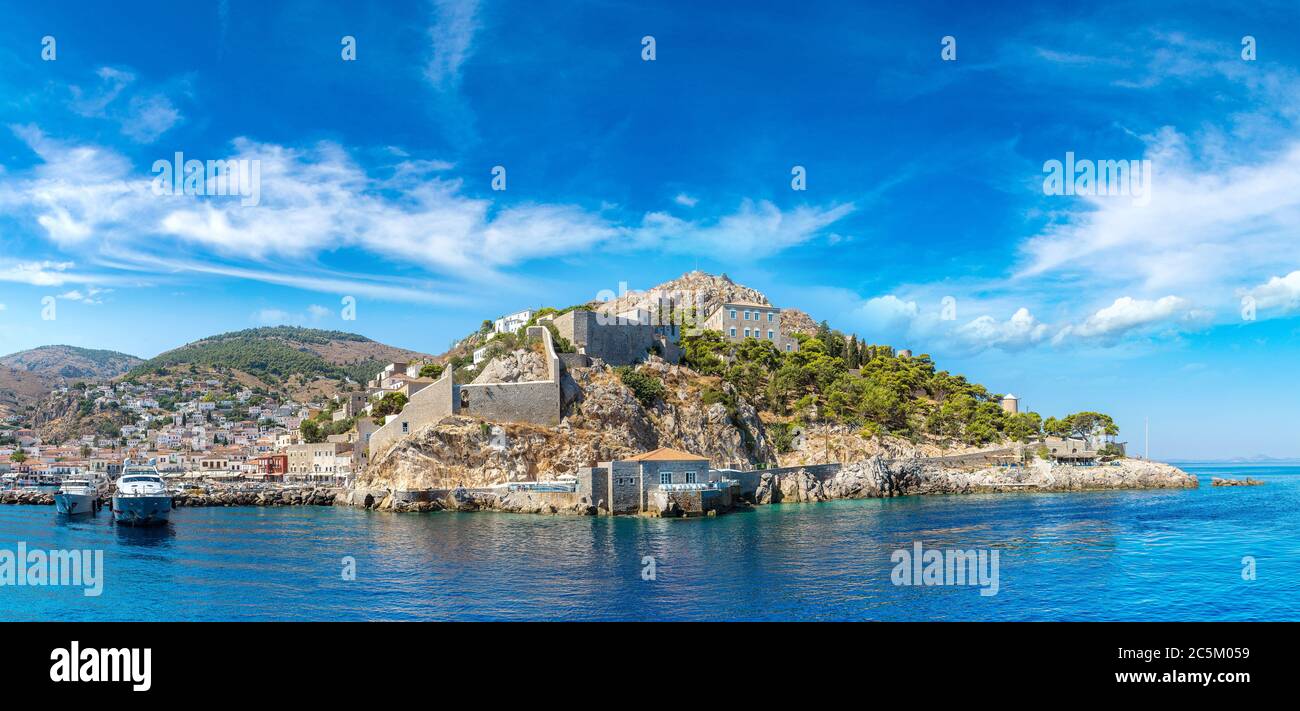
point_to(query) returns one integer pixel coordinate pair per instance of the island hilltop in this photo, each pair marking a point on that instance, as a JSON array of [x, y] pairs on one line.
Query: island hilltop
[[694, 397]]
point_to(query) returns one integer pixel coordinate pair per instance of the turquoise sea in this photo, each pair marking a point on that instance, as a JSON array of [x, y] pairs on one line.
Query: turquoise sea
[[1142, 555]]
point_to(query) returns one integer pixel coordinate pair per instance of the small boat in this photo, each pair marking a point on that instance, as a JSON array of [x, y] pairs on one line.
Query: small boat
[[141, 498], [78, 494]]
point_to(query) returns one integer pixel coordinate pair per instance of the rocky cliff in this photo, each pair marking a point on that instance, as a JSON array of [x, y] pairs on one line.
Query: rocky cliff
[[603, 420]]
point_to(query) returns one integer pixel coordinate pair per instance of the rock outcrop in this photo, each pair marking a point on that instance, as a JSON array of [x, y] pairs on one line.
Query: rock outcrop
[[1216, 481], [881, 478], [518, 366], [27, 496]]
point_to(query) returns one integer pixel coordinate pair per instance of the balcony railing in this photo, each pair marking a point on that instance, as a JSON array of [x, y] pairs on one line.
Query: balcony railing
[[698, 486]]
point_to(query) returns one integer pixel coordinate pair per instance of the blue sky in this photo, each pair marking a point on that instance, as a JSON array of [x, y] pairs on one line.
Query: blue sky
[[925, 180]]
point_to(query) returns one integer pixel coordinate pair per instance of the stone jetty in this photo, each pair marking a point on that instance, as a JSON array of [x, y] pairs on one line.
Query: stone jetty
[[272, 497]]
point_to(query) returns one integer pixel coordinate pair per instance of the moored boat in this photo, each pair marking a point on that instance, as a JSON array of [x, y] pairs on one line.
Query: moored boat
[[141, 497], [78, 494]]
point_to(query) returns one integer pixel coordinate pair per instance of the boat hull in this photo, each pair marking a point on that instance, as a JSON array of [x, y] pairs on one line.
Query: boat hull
[[74, 504], [141, 510]]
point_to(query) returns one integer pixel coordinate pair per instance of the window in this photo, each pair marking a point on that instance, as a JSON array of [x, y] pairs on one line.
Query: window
[[747, 333], [690, 477], [771, 315], [665, 477], [788, 347], [733, 332], [771, 336], [733, 314], [406, 427]]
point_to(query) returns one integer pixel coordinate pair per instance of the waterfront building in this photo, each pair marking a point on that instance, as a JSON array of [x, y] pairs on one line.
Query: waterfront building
[[271, 467], [317, 462], [656, 480]]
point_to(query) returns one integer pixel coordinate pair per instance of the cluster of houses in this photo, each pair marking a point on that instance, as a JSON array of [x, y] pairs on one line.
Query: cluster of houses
[[201, 430]]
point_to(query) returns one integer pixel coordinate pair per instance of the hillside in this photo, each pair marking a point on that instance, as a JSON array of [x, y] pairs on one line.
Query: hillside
[[70, 362], [28, 376], [837, 398], [275, 356]]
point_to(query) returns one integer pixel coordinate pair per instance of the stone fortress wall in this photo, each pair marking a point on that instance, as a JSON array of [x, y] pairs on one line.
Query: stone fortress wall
[[537, 402], [616, 341]]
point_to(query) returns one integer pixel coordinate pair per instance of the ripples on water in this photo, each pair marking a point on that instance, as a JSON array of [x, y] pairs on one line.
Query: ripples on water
[[1145, 555]]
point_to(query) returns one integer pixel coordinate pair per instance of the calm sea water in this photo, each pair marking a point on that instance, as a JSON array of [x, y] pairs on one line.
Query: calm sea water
[[1144, 555]]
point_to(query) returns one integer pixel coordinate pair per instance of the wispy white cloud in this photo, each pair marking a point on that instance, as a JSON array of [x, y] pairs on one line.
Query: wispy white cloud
[[39, 273], [755, 230], [319, 199], [685, 200], [1221, 222], [89, 295], [452, 39], [142, 115]]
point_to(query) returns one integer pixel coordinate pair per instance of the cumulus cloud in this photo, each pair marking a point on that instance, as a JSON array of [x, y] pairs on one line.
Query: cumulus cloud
[[685, 200], [1126, 314], [1019, 332], [888, 310], [1281, 293]]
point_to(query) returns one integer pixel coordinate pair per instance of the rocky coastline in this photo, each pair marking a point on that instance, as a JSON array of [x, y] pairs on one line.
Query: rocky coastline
[[876, 477], [871, 478], [880, 478]]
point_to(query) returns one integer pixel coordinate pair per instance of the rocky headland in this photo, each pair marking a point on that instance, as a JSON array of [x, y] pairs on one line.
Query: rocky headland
[[880, 478]]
